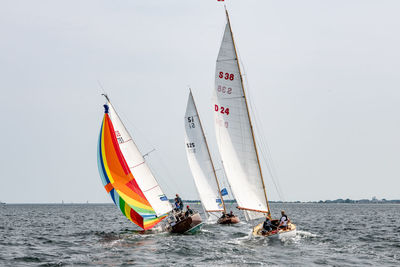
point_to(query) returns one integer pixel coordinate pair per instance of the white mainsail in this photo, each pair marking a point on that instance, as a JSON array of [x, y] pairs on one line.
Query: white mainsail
[[200, 161], [140, 170], [234, 132]]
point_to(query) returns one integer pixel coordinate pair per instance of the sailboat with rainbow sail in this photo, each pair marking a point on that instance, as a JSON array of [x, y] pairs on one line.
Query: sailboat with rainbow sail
[[235, 137], [202, 167], [129, 181]]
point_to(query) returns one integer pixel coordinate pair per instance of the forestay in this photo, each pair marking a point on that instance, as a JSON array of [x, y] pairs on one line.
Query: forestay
[[138, 167], [200, 161], [234, 134]]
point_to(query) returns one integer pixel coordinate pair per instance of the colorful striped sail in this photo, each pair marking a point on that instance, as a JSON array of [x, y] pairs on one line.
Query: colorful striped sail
[[119, 181]]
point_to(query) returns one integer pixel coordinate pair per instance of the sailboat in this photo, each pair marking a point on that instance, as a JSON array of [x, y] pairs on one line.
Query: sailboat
[[202, 167], [235, 137], [129, 181]]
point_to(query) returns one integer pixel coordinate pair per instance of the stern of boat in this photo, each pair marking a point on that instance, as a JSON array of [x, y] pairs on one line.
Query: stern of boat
[[190, 224]]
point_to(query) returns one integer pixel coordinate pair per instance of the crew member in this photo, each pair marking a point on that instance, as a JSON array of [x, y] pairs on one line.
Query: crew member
[[177, 207], [283, 221], [189, 211], [178, 203], [267, 226]]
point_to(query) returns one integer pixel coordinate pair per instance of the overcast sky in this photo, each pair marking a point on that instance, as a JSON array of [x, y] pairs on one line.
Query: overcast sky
[[323, 77]]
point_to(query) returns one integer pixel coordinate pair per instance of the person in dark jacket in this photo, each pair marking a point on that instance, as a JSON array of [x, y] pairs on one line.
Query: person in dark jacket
[[177, 207], [267, 226], [178, 203], [189, 211]]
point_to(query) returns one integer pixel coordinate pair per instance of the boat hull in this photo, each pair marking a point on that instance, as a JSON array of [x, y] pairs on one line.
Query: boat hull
[[190, 224], [280, 234], [228, 220]]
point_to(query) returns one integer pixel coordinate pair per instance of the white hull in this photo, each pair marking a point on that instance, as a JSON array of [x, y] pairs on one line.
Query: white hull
[[287, 234]]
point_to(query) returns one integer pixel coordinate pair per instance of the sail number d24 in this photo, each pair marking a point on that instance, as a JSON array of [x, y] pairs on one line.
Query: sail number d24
[[221, 109], [226, 76]]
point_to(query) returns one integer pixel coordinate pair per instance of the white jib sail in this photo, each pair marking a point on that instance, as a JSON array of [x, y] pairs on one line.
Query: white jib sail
[[233, 132], [200, 161], [140, 170]]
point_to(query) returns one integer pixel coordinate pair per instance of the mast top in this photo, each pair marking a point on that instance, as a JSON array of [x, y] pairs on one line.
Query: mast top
[[106, 96], [227, 15]]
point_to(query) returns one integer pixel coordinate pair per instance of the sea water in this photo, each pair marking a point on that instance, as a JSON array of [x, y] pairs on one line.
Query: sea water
[[99, 235]]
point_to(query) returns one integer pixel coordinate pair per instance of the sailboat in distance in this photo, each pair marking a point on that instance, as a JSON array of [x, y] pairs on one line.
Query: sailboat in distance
[[235, 137], [129, 181], [202, 167]]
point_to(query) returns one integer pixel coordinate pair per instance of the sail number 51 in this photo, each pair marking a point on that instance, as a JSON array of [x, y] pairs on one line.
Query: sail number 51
[[191, 122]]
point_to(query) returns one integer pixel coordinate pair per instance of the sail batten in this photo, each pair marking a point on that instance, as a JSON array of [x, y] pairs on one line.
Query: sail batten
[[235, 134], [136, 193], [200, 161]]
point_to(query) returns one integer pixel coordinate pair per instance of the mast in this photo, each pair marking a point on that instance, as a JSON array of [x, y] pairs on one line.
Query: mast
[[106, 96], [208, 151], [248, 114]]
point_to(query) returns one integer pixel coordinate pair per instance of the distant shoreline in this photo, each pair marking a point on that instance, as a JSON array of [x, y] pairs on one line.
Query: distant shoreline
[[347, 201], [340, 201]]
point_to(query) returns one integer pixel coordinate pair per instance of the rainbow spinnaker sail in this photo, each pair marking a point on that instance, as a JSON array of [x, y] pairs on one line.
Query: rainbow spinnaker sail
[[117, 171]]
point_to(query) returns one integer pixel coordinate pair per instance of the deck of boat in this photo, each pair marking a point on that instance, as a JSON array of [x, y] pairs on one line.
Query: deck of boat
[[290, 231], [228, 220]]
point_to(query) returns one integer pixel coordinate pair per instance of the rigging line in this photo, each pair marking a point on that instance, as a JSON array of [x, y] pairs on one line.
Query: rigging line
[[275, 181], [165, 184], [267, 148], [228, 184], [102, 88], [226, 181], [268, 160], [158, 177], [266, 155], [232, 197]]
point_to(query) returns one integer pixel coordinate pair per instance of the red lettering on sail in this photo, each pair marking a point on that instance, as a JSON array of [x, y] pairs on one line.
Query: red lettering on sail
[[226, 76], [223, 110]]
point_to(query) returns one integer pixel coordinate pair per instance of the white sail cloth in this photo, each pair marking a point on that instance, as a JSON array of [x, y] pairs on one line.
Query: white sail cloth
[[140, 170], [233, 131], [200, 161]]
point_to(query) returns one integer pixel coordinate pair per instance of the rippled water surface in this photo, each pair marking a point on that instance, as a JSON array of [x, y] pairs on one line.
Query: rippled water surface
[[99, 235]]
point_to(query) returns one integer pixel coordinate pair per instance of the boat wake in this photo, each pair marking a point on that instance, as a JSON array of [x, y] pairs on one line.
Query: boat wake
[[305, 234]]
